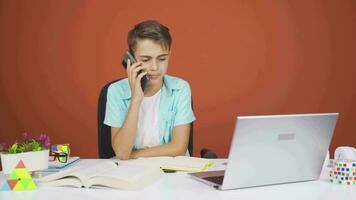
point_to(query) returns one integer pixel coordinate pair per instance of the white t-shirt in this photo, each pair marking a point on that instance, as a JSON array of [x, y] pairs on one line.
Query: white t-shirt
[[148, 134]]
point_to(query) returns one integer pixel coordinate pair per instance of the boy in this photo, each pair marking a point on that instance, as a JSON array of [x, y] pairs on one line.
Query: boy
[[154, 121]]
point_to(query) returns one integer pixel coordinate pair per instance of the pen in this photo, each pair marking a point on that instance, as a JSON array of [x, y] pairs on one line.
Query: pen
[[168, 170]]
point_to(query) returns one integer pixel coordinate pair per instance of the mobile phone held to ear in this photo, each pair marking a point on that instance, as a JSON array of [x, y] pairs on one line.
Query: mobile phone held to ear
[[128, 56]]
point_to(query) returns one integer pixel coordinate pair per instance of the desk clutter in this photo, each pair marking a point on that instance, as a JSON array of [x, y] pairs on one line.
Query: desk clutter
[[20, 178], [128, 175]]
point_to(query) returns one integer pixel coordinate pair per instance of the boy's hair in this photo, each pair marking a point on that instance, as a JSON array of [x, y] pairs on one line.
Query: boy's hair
[[149, 29]]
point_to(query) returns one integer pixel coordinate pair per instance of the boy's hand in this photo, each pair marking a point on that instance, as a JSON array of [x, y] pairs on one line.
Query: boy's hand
[[135, 79]]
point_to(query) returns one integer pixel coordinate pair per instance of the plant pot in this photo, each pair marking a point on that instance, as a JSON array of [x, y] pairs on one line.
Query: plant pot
[[34, 161]]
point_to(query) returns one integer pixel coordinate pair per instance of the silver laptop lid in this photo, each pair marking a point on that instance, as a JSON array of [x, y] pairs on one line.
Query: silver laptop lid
[[278, 149]]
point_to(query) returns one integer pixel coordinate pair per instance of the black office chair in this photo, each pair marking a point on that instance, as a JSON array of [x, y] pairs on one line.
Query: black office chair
[[104, 131]]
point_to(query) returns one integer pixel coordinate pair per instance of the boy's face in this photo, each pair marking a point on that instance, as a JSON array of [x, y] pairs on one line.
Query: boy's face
[[154, 59]]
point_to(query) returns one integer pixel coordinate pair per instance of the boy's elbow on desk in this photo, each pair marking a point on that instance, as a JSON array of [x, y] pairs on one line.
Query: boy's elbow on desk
[[178, 151], [122, 155]]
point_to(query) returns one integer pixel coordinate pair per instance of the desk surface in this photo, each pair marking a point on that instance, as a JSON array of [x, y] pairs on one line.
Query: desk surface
[[181, 186]]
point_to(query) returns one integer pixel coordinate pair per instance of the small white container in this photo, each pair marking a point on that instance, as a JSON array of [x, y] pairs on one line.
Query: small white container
[[34, 161]]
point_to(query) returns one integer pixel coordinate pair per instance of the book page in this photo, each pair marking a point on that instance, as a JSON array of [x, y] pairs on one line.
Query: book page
[[82, 173], [123, 171], [67, 181], [95, 169], [59, 175], [125, 176]]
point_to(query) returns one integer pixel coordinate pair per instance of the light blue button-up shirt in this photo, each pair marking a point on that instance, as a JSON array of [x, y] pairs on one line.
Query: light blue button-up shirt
[[175, 105]]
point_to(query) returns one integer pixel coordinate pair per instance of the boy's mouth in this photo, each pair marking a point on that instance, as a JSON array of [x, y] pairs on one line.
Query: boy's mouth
[[153, 77]]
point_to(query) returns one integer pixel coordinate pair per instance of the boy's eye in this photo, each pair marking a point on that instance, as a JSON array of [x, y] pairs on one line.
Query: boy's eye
[[162, 59], [144, 60]]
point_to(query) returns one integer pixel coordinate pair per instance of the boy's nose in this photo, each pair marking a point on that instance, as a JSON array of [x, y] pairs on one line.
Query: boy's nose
[[154, 66]]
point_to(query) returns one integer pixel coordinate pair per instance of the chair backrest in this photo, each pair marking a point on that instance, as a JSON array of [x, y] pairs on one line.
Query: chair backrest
[[104, 131]]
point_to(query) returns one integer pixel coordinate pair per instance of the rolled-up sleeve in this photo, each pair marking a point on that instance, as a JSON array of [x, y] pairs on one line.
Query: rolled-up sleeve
[[184, 114], [115, 108]]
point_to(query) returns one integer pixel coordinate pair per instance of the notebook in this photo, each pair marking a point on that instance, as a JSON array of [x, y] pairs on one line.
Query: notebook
[[274, 149], [178, 163]]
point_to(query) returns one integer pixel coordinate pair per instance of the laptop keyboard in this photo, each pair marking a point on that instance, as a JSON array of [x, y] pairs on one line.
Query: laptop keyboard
[[215, 179]]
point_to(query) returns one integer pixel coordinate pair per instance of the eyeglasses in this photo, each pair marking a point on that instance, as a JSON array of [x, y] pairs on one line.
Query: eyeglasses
[[60, 156]]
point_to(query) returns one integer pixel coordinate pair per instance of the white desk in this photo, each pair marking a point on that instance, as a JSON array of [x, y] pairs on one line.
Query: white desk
[[181, 186]]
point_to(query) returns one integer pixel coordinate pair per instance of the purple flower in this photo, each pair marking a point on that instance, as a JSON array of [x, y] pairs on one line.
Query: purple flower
[[4, 147], [25, 136], [43, 139]]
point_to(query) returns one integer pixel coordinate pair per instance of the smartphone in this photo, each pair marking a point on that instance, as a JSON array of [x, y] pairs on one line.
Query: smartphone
[[128, 56]]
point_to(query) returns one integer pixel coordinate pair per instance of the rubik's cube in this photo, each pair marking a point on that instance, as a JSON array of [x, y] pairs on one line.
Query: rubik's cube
[[343, 173], [61, 149]]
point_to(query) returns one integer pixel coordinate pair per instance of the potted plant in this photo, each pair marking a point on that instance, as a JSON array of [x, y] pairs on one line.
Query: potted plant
[[33, 152]]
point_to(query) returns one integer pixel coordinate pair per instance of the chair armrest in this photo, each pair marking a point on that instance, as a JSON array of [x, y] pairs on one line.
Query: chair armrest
[[207, 153]]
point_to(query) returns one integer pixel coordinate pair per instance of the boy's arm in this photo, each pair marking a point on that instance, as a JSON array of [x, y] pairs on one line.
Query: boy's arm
[[176, 147], [123, 138]]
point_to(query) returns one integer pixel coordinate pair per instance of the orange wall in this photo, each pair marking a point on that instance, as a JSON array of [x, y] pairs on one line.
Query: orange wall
[[240, 57]]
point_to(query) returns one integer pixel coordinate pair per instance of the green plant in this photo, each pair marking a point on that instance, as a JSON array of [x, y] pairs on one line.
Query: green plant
[[39, 144]]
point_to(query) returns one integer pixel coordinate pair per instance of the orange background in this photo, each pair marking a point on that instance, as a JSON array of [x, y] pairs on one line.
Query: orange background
[[240, 57]]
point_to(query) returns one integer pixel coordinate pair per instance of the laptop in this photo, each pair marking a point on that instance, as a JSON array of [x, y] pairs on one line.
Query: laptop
[[274, 149]]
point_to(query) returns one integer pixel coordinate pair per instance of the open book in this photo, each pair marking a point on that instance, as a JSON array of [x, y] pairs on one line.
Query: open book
[[178, 163], [107, 174]]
